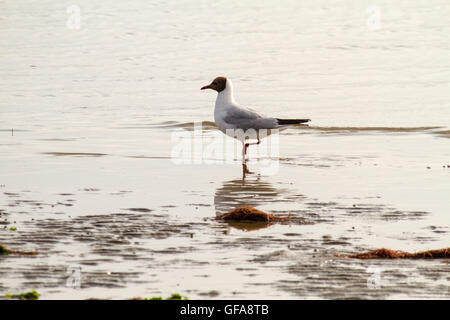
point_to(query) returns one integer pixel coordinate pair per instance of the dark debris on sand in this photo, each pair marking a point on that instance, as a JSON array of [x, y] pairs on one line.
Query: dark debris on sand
[[6, 251], [384, 253], [253, 214]]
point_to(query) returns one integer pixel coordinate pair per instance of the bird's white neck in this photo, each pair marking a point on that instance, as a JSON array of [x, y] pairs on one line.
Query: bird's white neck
[[226, 95]]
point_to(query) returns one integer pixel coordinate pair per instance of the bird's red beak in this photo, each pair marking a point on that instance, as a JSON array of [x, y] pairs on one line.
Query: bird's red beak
[[205, 87]]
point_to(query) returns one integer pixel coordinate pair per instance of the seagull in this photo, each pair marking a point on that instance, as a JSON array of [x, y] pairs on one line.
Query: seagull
[[229, 116]]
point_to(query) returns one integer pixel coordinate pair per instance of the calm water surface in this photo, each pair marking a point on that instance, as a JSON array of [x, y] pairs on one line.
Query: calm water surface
[[86, 174]]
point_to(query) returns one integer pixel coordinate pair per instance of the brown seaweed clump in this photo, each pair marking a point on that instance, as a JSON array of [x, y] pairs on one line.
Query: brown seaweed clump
[[6, 251], [250, 214], [384, 253]]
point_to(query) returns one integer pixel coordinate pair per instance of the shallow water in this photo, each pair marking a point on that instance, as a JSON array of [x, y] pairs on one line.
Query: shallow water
[[88, 179]]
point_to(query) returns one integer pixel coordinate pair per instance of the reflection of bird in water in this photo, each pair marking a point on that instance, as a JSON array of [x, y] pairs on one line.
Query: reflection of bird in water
[[249, 226], [241, 192]]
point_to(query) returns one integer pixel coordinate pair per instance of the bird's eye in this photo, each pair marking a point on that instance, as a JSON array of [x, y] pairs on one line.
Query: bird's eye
[[215, 83]]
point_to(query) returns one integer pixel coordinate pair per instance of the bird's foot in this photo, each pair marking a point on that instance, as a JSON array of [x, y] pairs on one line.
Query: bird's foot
[[245, 170]]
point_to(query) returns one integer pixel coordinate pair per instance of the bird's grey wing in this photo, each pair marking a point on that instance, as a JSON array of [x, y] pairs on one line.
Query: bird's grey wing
[[246, 118]]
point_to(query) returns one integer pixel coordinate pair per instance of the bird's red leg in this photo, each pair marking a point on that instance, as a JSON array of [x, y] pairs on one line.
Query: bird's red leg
[[246, 146], [244, 151]]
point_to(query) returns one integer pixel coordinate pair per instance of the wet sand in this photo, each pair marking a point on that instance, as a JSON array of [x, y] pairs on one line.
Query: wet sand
[[137, 227]]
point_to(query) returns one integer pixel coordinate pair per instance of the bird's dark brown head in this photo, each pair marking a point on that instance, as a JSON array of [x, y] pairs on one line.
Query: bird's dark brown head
[[218, 84]]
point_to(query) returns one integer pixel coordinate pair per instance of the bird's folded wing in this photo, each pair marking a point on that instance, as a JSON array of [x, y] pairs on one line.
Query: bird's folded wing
[[246, 118]]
